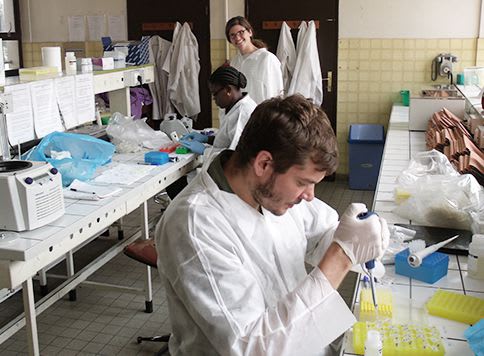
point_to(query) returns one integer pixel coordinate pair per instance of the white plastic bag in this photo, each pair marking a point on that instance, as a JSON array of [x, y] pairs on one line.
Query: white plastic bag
[[431, 192], [130, 135]]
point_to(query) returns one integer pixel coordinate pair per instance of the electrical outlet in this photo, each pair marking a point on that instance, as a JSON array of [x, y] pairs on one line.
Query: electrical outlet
[[133, 78], [7, 101]]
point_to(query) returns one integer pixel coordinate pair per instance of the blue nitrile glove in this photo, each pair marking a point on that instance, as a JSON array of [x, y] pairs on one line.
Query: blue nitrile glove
[[195, 136], [194, 146]]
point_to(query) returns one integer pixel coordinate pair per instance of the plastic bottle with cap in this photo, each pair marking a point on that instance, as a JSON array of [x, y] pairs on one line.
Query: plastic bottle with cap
[[86, 65], [71, 63], [373, 344], [475, 260]]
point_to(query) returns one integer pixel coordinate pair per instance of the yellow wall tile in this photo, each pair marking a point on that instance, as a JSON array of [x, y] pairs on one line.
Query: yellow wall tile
[[393, 65]]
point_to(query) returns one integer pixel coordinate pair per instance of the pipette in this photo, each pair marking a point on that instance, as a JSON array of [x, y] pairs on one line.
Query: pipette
[[370, 265], [415, 259]]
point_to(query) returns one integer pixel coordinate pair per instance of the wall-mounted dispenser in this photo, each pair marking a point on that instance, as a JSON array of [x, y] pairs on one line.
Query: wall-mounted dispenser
[[442, 65]]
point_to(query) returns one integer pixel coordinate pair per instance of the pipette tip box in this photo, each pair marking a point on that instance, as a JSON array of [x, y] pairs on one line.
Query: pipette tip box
[[400, 339], [367, 308], [156, 158], [433, 267], [454, 306]]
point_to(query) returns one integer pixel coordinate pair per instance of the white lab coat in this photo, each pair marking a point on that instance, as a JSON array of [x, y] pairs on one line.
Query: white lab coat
[[233, 122], [307, 79], [235, 278], [286, 53], [263, 72], [183, 67], [159, 50]]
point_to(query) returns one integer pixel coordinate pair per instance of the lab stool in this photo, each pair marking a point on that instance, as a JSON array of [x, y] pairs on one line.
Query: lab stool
[[144, 251]]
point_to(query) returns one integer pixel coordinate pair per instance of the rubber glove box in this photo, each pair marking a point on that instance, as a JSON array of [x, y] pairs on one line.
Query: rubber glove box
[[156, 158], [433, 267]]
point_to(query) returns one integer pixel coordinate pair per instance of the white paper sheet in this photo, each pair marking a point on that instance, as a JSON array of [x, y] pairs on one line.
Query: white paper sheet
[[117, 28], [91, 189], [97, 27], [65, 92], [44, 107], [20, 122], [77, 28], [123, 173], [85, 105]]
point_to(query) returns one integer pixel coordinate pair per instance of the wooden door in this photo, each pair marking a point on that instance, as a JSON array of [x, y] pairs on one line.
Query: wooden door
[[326, 12], [151, 17]]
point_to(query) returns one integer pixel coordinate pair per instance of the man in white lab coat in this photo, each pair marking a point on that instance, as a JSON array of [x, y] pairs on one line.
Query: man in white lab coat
[[232, 246]]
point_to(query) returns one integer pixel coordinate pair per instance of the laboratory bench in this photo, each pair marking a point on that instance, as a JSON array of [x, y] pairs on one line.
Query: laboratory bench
[[410, 295], [37, 250]]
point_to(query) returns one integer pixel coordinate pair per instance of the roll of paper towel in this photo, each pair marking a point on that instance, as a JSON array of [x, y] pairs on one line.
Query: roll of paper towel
[[51, 57]]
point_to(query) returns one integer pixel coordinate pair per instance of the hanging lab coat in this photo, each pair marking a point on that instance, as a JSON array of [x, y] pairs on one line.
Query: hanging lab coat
[[159, 49], [307, 79], [303, 27], [286, 53], [233, 122], [235, 278], [263, 72], [183, 68]]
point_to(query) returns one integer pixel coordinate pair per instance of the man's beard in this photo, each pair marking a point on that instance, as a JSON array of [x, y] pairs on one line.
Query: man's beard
[[265, 192]]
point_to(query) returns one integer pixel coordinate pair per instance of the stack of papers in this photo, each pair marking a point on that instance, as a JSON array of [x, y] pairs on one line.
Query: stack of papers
[[124, 174], [86, 191]]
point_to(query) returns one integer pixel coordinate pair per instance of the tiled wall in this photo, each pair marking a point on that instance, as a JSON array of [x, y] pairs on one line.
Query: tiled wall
[[218, 58], [32, 50], [371, 73]]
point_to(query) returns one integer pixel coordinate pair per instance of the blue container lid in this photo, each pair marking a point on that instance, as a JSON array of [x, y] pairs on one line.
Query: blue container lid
[[156, 158], [366, 133]]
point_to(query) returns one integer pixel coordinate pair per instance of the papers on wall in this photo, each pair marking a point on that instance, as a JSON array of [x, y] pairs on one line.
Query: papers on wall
[[44, 106], [85, 105], [65, 92], [117, 28], [97, 27], [20, 122], [77, 28]]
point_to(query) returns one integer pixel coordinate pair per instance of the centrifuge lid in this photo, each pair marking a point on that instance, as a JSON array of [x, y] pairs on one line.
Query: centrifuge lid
[[13, 166]]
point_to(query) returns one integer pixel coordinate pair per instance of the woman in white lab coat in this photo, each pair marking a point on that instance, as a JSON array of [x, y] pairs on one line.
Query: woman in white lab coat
[[225, 84], [261, 67]]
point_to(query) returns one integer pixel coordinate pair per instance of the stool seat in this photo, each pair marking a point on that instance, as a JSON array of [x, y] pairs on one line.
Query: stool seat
[[143, 251]]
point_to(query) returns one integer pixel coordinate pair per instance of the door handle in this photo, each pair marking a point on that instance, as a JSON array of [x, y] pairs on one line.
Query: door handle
[[329, 79]]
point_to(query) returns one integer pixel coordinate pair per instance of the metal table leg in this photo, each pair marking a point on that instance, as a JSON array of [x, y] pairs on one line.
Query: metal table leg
[[30, 317], [145, 235]]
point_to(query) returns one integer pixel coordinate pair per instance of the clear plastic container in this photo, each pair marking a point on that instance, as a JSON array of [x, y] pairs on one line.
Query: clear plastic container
[[474, 76], [475, 261], [71, 63], [86, 65]]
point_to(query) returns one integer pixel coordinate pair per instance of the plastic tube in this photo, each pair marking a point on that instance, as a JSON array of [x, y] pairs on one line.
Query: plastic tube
[[415, 259]]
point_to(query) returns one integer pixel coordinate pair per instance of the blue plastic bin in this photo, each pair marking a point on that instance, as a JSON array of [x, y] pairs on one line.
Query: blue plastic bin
[[366, 143]]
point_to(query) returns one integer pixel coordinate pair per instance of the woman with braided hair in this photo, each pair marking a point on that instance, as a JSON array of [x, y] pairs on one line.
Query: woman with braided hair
[[225, 84]]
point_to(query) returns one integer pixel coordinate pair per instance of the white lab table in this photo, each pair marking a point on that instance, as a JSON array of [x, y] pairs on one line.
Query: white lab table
[[410, 294], [21, 259]]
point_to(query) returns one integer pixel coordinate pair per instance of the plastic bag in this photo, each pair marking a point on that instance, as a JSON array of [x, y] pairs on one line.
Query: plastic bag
[[431, 192], [132, 135], [86, 153]]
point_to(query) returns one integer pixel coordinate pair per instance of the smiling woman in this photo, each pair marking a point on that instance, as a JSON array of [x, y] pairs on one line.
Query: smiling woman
[[261, 67]]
